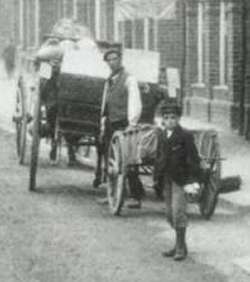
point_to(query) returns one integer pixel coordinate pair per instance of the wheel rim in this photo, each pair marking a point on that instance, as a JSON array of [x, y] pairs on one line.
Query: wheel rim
[[209, 198], [35, 144], [18, 121], [21, 124], [212, 186]]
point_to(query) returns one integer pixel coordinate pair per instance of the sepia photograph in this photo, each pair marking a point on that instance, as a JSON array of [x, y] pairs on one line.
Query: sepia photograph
[[124, 140]]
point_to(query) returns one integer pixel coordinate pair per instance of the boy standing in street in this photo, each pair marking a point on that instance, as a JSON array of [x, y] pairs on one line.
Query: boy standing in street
[[178, 163]]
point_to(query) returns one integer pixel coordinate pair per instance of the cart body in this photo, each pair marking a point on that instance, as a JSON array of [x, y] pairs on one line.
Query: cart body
[[126, 150]]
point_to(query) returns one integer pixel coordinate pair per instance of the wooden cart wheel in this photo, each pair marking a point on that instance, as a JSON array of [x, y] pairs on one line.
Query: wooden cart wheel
[[116, 176], [21, 123], [211, 189], [35, 142]]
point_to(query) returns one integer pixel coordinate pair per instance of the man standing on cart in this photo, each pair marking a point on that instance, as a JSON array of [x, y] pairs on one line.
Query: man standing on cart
[[121, 107]]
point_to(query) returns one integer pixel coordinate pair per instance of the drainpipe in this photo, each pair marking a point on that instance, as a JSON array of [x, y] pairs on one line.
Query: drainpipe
[[243, 112], [183, 63]]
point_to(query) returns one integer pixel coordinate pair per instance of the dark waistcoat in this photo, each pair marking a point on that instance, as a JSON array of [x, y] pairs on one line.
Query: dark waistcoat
[[117, 99]]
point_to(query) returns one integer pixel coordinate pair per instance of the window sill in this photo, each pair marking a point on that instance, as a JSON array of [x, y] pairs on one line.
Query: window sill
[[221, 87], [198, 85]]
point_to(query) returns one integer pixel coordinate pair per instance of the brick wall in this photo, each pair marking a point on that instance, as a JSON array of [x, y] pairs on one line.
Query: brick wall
[[211, 101], [169, 37], [191, 71], [236, 79], [246, 69], [169, 43]]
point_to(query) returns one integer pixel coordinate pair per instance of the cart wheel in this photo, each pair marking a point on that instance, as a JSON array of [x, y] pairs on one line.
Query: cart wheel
[[21, 124], [35, 143], [211, 189], [116, 177]]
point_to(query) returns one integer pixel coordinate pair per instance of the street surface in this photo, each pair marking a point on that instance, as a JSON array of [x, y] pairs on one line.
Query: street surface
[[60, 233]]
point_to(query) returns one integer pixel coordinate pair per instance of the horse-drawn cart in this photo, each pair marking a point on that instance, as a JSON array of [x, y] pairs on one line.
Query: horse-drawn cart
[[76, 117], [75, 92]]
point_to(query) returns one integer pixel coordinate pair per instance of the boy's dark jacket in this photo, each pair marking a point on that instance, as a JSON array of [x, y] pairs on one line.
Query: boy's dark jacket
[[177, 157]]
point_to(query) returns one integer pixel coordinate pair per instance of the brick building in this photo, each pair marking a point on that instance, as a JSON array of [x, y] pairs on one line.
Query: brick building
[[207, 40], [152, 25], [26, 21], [217, 70]]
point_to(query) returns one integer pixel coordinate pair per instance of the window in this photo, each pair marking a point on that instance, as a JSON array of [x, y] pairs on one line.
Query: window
[[151, 34], [21, 22], [128, 34], [223, 51], [103, 20], [37, 22], [146, 33], [138, 34], [201, 42], [120, 33], [75, 10]]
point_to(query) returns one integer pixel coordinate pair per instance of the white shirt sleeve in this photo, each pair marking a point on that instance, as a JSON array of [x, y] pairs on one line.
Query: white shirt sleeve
[[104, 98], [134, 101]]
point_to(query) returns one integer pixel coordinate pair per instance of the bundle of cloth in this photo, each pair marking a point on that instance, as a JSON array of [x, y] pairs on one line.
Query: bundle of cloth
[[66, 35]]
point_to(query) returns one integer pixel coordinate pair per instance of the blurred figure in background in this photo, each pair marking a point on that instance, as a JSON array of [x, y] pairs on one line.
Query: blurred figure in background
[[9, 57]]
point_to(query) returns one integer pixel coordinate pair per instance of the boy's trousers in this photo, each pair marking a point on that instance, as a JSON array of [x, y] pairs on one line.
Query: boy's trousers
[[176, 204]]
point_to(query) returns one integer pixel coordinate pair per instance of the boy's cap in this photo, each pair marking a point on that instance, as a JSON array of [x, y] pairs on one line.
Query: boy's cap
[[111, 51], [171, 107]]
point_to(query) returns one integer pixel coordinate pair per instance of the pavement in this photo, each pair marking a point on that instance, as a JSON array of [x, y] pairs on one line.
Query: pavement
[[7, 99], [236, 154]]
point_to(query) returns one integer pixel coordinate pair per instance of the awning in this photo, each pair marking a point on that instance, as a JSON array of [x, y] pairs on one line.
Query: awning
[[138, 9]]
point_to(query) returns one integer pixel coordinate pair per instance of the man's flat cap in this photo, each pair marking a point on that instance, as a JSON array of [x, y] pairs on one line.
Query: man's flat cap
[[111, 51]]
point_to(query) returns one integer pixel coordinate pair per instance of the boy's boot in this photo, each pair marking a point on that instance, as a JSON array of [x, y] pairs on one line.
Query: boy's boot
[[169, 253], [181, 247]]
